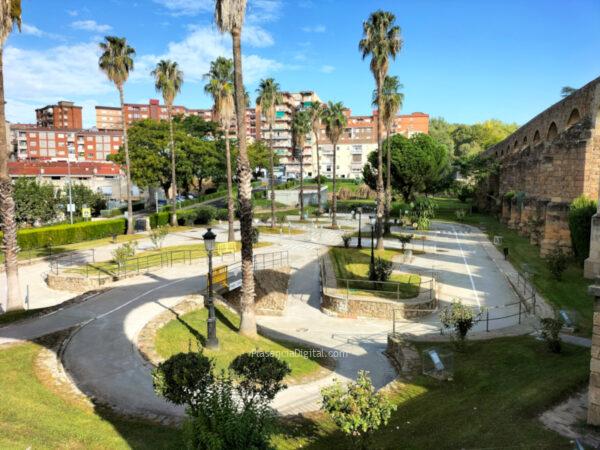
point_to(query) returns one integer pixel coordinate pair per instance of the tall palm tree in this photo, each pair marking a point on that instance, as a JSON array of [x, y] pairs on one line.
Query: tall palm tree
[[220, 88], [269, 96], [116, 62], [229, 16], [315, 110], [335, 123], [168, 80], [301, 126], [381, 39], [392, 103], [10, 15]]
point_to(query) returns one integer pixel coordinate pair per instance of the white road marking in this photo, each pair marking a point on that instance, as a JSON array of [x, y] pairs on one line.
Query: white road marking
[[462, 253]]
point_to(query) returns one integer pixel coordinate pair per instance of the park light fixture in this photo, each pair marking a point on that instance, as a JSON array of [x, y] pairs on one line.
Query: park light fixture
[[212, 342]]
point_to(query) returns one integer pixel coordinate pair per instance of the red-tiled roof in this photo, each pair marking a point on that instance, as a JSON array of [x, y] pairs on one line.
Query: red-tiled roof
[[60, 168]]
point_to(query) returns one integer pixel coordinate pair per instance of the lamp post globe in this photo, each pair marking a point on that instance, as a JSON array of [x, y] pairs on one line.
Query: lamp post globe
[[212, 342]]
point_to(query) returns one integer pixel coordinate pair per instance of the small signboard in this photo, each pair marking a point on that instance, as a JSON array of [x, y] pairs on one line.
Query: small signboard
[[565, 317], [235, 284], [219, 277], [70, 207], [86, 213], [435, 359]]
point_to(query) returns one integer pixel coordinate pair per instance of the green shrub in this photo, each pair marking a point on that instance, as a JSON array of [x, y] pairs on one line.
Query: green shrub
[[381, 271], [460, 317], [110, 212], [557, 262], [465, 192], [31, 238], [186, 217], [260, 376], [405, 239], [580, 223], [346, 238], [222, 214], [158, 235], [159, 219], [123, 252], [550, 333], [205, 215]]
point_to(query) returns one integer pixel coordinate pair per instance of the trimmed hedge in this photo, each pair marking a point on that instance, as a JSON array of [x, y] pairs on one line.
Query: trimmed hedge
[[159, 219], [580, 223], [196, 216], [31, 238]]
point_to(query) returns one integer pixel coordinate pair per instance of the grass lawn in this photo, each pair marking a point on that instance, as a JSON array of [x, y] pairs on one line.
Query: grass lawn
[[570, 293], [499, 389], [265, 203], [153, 258], [182, 334], [353, 264], [279, 229], [32, 415]]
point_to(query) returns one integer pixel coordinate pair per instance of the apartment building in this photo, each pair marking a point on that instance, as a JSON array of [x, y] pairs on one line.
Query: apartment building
[[63, 115], [109, 118], [30, 142]]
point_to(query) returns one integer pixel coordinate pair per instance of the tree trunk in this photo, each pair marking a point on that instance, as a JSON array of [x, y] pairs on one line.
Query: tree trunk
[[301, 182], [127, 163], [248, 317], [173, 171], [380, 192], [333, 196], [7, 212], [230, 207], [318, 175], [388, 193], [272, 174]]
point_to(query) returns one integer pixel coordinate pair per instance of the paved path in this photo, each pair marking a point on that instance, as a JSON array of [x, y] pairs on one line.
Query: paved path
[[103, 360]]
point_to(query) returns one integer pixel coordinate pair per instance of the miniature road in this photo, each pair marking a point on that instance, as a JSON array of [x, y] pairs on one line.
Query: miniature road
[[103, 360]]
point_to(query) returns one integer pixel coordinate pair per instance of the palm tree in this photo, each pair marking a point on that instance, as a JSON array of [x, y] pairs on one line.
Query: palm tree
[[168, 80], [10, 15], [381, 39], [220, 88], [335, 123], [116, 62], [229, 16], [269, 96], [392, 103], [301, 126], [315, 110]]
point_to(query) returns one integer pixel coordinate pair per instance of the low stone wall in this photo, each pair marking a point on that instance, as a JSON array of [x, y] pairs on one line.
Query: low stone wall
[[403, 354], [75, 282], [336, 303], [271, 289]]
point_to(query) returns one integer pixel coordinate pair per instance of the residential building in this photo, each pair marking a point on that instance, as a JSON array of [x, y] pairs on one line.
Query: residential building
[[30, 142], [64, 115]]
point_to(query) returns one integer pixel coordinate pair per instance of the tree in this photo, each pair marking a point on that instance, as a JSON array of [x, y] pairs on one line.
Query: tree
[[301, 126], [315, 110], [381, 40], [116, 62], [259, 155], [356, 408], [418, 164], [269, 96], [168, 80], [229, 16], [335, 123], [83, 196], [391, 104], [441, 131], [34, 201], [10, 15], [220, 88], [460, 317], [566, 91]]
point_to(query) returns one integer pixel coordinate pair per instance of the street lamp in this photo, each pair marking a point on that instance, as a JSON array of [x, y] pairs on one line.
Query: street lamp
[[372, 221], [211, 323], [359, 210]]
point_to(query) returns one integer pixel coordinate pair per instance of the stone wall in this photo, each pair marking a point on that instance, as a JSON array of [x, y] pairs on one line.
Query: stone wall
[[546, 164], [271, 289]]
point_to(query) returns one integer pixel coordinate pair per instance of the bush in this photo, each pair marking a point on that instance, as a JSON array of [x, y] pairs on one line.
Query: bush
[[346, 238], [556, 261], [460, 317], [31, 238], [550, 333], [186, 217], [110, 212], [260, 376], [323, 179], [158, 235], [205, 215], [405, 239], [381, 271], [357, 409], [465, 192], [159, 219], [123, 252], [222, 214], [580, 223], [460, 214]]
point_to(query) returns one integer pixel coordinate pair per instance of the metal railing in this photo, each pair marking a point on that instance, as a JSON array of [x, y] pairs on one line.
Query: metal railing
[[390, 290]]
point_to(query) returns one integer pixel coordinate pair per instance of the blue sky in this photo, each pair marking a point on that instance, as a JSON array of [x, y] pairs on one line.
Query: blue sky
[[465, 60]]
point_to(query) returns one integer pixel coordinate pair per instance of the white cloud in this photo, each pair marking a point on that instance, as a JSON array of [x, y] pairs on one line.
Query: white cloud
[[32, 30], [72, 13], [327, 68], [315, 29], [256, 36], [195, 53], [90, 25], [186, 7], [260, 11]]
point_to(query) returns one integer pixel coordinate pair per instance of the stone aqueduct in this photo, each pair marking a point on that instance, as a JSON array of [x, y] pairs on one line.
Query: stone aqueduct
[[544, 166]]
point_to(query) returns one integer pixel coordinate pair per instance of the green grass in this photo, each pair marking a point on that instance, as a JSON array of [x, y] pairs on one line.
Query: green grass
[[34, 416], [184, 333], [570, 293], [152, 258], [264, 203], [353, 264], [265, 229], [500, 387]]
